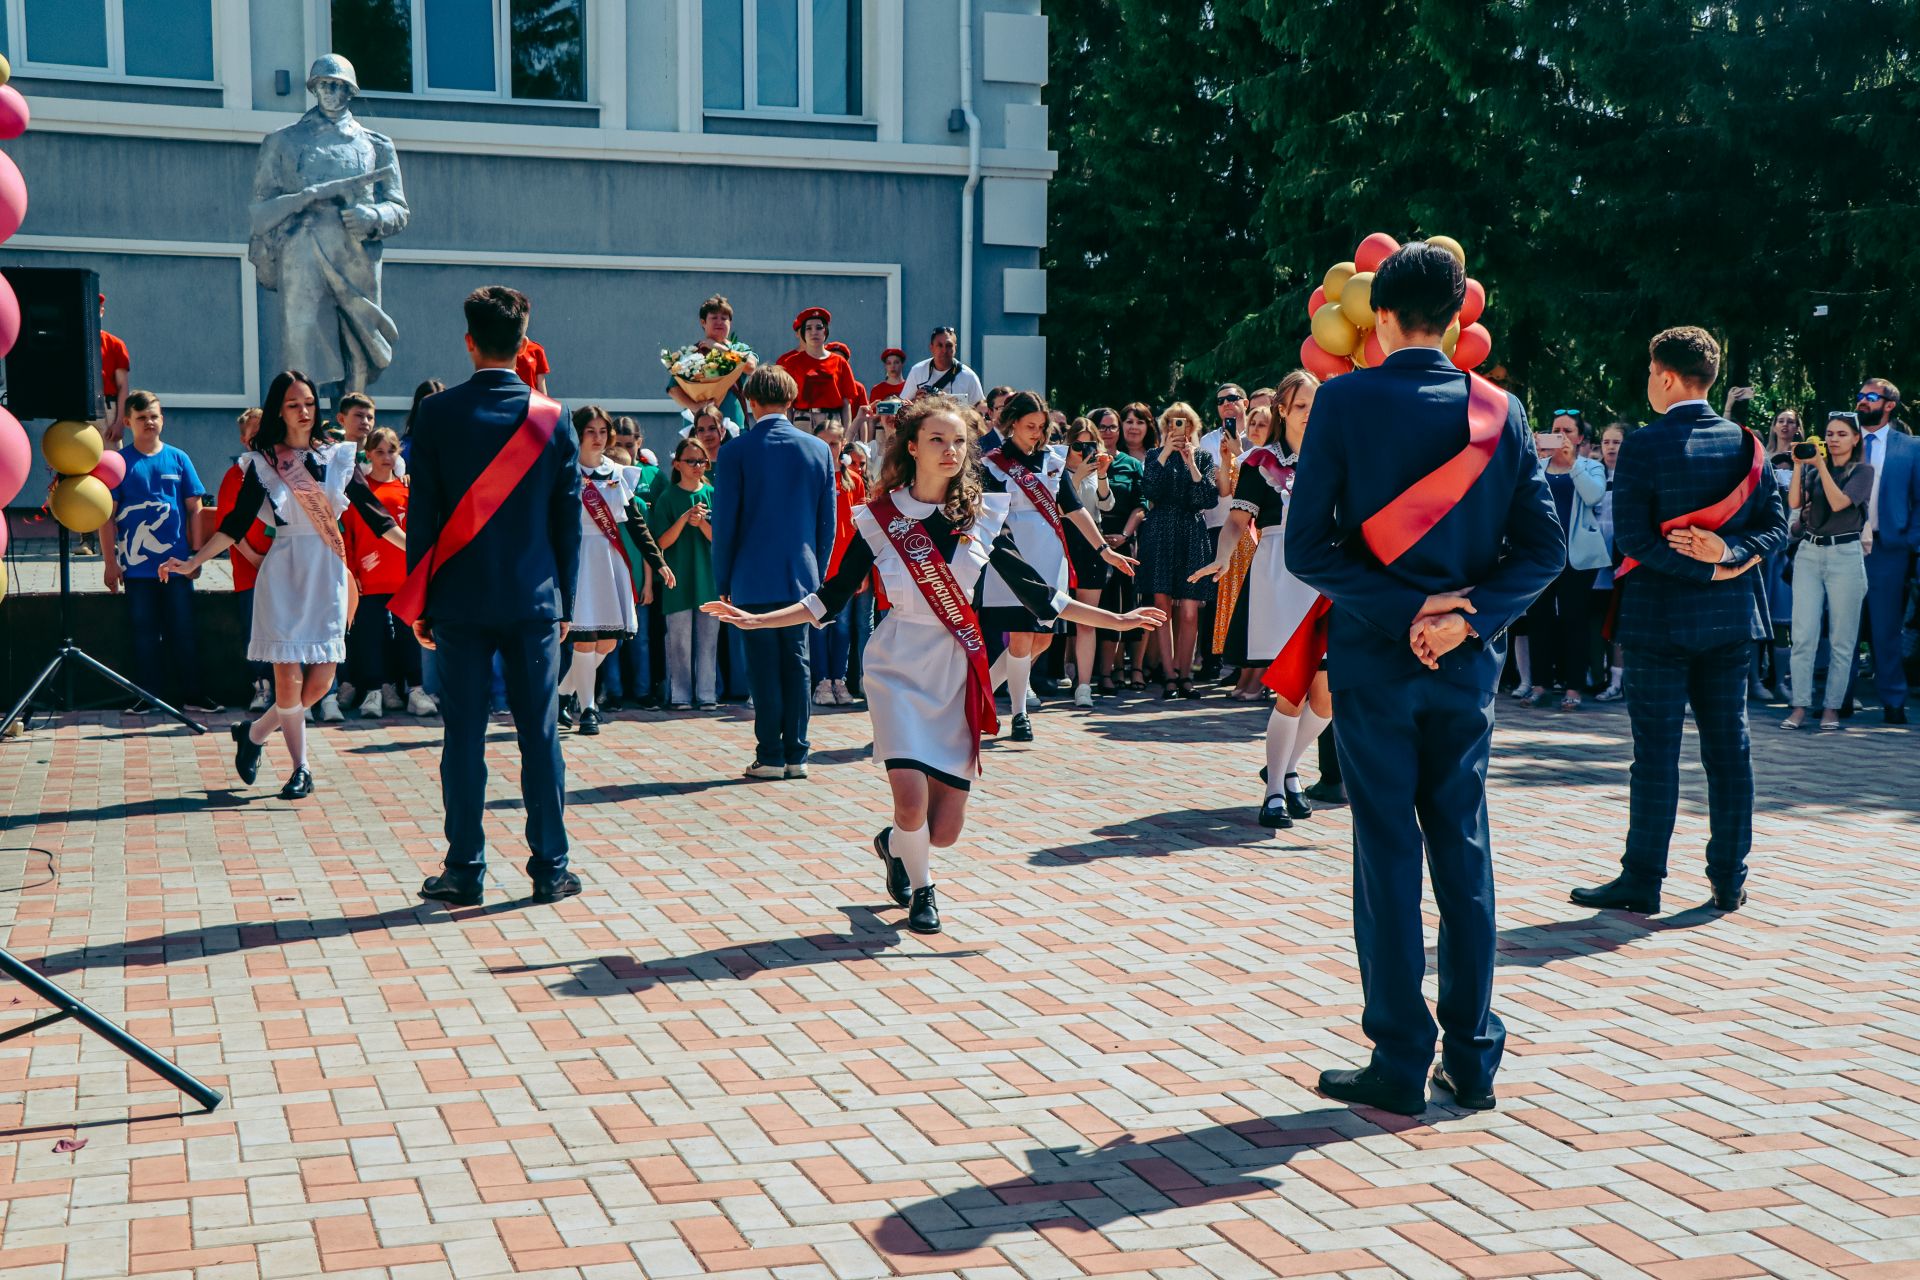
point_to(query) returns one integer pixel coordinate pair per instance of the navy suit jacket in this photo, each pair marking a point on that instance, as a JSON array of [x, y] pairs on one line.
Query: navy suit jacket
[[1687, 459], [523, 564], [1899, 495], [773, 514], [1373, 433]]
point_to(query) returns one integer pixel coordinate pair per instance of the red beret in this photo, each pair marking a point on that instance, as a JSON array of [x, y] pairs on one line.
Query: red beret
[[821, 314], [842, 348], [890, 352]]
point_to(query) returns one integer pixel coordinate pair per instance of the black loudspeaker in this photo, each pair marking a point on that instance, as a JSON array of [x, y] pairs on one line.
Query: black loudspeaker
[[53, 370]]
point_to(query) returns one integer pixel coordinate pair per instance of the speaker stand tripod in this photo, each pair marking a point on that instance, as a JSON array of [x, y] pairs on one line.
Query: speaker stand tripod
[[71, 653]]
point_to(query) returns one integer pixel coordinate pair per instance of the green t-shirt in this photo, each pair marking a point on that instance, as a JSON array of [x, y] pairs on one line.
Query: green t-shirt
[[691, 555]]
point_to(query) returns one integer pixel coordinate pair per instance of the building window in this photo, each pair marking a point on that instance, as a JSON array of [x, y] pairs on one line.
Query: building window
[[151, 39], [782, 57], [533, 49]]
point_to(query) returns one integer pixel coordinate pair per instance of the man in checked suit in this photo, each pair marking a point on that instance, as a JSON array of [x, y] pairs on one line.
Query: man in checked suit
[[1689, 614]]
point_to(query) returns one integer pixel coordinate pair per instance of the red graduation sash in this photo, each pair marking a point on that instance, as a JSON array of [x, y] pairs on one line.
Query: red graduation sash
[[1712, 517], [1394, 528], [941, 590], [602, 517], [1036, 490], [479, 503]]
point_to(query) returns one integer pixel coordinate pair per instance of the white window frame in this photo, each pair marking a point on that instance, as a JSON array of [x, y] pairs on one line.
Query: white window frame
[[116, 68], [750, 69], [502, 58]]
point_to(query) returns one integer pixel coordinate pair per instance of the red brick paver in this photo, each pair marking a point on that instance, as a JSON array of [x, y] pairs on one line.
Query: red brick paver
[[729, 1057]]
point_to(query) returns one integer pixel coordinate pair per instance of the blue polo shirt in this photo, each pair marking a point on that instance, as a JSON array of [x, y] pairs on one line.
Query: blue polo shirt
[[150, 510]]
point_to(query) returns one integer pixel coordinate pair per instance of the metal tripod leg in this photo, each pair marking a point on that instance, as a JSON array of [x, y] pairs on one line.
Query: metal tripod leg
[[103, 669], [26, 699]]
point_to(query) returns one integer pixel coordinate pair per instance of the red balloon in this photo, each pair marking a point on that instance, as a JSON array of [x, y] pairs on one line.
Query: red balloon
[[1317, 301], [112, 469], [1375, 352], [1475, 345], [13, 197], [1373, 251], [1476, 304], [16, 457], [1320, 363], [9, 317], [14, 115]]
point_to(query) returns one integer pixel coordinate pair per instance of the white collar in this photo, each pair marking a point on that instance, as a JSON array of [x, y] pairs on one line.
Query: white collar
[[602, 472], [910, 506], [1681, 404], [1874, 431]]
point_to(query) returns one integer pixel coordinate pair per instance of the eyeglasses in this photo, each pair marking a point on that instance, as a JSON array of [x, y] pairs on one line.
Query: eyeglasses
[[1228, 399], [695, 462], [1871, 397]]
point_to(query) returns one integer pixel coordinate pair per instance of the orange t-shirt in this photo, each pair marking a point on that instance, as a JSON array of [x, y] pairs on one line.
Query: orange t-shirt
[[886, 390], [245, 571], [825, 383], [389, 569], [531, 363]]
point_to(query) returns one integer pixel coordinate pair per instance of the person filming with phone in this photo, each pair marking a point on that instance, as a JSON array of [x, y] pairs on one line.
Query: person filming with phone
[[1830, 489]]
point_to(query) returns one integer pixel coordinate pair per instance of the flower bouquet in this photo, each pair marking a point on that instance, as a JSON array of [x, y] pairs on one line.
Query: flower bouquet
[[708, 374]]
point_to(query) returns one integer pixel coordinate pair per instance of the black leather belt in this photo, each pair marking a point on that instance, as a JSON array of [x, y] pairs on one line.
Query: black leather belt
[[1833, 540]]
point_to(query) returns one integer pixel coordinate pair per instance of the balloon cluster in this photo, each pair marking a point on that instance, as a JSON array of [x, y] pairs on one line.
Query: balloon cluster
[[16, 455], [1341, 310]]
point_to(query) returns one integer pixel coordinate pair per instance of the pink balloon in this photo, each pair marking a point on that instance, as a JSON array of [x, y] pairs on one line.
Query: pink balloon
[[16, 457], [1322, 364], [112, 469], [1373, 251], [1475, 345], [1476, 304], [3, 534], [14, 113], [9, 317], [13, 197], [1317, 301]]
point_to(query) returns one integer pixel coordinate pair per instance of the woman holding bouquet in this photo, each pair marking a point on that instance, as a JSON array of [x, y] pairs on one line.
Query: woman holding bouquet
[[716, 330], [932, 534]]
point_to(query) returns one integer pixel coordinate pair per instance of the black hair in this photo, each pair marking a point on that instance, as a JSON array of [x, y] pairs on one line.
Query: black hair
[[273, 427], [431, 387], [497, 320], [1423, 285]]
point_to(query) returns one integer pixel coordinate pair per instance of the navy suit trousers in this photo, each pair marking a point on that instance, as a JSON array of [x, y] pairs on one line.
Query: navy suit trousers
[[1413, 754], [1661, 681], [1888, 571], [778, 676], [530, 660]]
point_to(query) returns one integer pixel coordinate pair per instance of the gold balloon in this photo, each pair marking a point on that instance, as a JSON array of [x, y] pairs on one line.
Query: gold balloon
[[3, 563], [1450, 339], [81, 503], [1356, 300], [1336, 334], [1452, 246], [72, 448], [1337, 277], [6, 74], [1360, 354]]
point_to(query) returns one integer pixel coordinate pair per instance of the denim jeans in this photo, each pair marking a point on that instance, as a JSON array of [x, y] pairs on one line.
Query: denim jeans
[[861, 611], [1831, 580], [166, 660], [629, 672], [692, 652], [831, 645], [381, 649]]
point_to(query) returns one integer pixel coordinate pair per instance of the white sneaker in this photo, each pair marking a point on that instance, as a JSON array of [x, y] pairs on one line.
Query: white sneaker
[[372, 708], [1083, 695], [420, 703], [330, 710], [840, 695], [262, 697], [823, 694], [766, 771], [797, 770], [1033, 700]]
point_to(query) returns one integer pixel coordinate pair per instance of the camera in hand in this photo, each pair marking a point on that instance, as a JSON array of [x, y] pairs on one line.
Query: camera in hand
[[1808, 450], [1087, 449], [887, 408]]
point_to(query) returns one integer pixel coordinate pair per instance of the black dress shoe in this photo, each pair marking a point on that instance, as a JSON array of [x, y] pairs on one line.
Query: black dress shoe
[[246, 753], [923, 915], [1297, 804], [564, 885], [589, 722], [1894, 715], [1475, 1099], [453, 892], [568, 705], [1273, 814], [299, 785], [1620, 894], [1369, 1090], [898, 887], [1022, 728], [1327, 792], [1729, 899]]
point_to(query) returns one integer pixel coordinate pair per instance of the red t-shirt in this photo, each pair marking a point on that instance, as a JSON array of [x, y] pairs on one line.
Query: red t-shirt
[[886, 390], [850, 490], [389, 569], [825, 383], [531, 363], [245, 571], [113, 359]]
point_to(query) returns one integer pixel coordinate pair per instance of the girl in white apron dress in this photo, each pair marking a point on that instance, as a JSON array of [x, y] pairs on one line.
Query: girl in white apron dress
[[1278, 604], [1029, 474], [920, 681], [605, 597], [304, 596]]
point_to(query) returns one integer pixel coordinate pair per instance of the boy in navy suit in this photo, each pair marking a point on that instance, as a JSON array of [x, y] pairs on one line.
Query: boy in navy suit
[[1419, 512], [506, 589], [1696, 505]]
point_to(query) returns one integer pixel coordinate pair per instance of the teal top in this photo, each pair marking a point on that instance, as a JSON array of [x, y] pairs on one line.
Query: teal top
[[691, 555]]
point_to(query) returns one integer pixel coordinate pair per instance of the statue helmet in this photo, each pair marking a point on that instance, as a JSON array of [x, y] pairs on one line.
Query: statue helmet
[[331, 66]]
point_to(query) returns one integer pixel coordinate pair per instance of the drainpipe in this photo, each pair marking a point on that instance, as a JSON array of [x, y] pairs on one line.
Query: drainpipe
[[973, 181]]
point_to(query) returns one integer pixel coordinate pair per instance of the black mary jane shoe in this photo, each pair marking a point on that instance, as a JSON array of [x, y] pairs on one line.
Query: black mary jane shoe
[[898, 887], [568, 706], [452, 892], [1365, 1088], [564, 885], [589, 722], [923, 914], [1273, 814], [1106, 688], [299, 785], [1022, 728], [246, 753], [1298, 806], [1187, 690]]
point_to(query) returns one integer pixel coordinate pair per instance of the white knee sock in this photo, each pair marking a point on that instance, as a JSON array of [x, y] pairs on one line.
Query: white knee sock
[[293, 727], [915, 852], [262, 729], [585, 667], [1281, 731], [997, 673], [1019, 680], [1522, 661], [1614, 676], [1312, 724]]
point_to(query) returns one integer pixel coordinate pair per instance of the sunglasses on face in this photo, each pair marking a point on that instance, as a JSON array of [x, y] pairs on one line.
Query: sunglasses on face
[[693, 462], [1870, 397], [1228, 399]]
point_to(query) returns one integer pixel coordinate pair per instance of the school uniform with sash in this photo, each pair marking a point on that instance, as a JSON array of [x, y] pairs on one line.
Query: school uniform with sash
[[614, 539]]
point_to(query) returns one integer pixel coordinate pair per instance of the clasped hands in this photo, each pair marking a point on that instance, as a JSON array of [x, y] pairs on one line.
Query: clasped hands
[[1440, 627], [1708, 547]]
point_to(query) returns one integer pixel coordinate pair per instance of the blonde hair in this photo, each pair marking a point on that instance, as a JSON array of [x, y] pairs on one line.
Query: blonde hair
[[1180, 411], [897, 470]]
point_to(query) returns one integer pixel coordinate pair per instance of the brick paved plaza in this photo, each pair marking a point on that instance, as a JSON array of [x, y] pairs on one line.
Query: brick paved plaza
[[727, 1058]]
